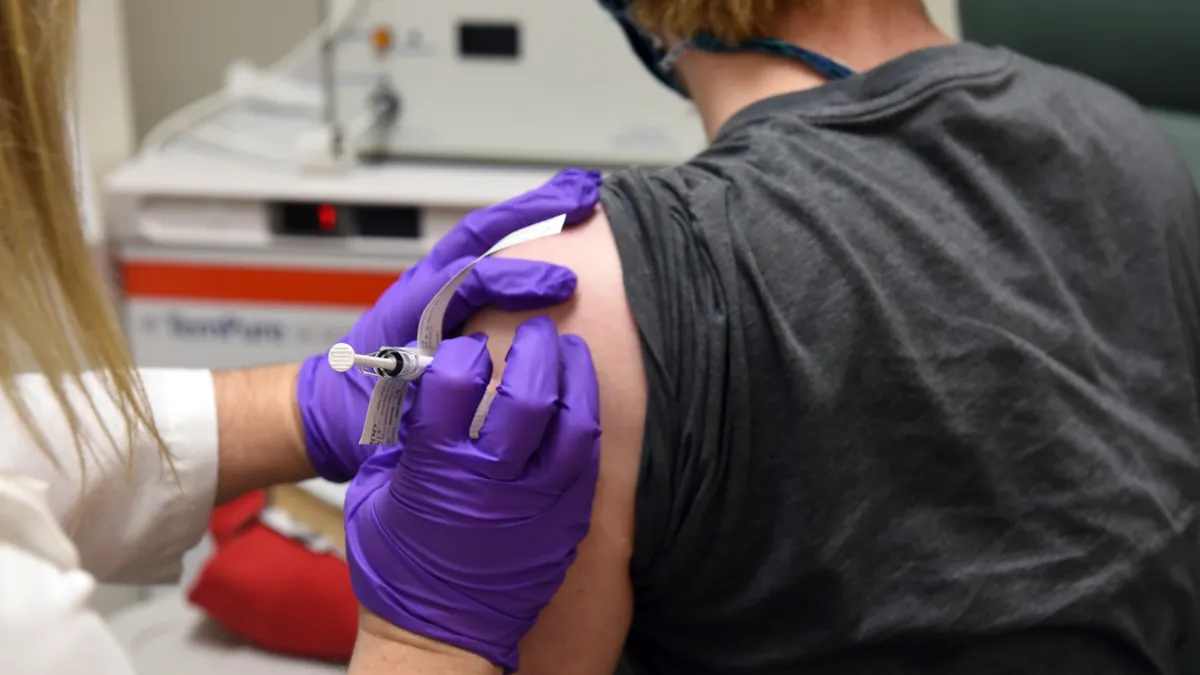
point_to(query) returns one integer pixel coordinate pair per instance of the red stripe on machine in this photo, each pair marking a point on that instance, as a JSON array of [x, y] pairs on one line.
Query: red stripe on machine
[[302, 286]]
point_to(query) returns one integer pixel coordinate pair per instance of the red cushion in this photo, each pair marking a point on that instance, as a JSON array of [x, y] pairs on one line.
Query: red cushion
[[277, 594], [232, 516]]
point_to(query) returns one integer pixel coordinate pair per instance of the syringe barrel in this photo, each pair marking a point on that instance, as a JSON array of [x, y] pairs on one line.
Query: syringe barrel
[[407, 364]]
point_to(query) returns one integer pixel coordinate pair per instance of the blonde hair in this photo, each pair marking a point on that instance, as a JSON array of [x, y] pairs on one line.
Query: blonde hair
[[51, 294], [730, 21]]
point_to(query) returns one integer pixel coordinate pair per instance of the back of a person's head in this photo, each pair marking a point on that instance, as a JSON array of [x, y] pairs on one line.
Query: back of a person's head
[[55, 316], [731, 21]]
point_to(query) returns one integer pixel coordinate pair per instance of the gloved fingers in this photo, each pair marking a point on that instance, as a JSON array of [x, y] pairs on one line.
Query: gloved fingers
[[525, 401], [450, 391], [511, 285], [508, 283], [571, 449], [573, 192]]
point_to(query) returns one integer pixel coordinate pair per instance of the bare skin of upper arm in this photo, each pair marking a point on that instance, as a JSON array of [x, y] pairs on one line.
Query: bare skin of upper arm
[[583, 630]]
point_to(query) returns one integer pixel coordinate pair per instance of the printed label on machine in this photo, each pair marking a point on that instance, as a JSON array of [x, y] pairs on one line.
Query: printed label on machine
[[382, 426]]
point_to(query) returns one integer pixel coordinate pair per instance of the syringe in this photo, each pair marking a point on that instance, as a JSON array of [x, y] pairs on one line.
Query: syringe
[[406, 364]]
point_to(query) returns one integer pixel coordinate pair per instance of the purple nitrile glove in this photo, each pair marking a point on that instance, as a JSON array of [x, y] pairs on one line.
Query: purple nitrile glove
[[334, 405], [465, 542]]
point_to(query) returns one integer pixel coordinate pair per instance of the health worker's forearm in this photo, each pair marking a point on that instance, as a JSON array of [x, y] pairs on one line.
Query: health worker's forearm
[[260, 433]]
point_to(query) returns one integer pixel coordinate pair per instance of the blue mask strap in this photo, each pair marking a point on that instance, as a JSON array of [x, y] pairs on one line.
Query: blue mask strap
[[823, 65], [646, 49], [650, 52]]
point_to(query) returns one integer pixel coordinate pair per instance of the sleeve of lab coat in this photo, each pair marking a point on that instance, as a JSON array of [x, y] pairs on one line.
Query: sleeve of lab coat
[[129, 516], [47, 626]]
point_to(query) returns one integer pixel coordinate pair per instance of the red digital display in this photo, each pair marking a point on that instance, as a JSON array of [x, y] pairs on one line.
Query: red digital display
[[327, 216], [334, 219]]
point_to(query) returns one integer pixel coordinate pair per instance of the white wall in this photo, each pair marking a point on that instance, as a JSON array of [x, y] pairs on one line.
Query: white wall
[[179, 48], [945, 14], [105, 107]]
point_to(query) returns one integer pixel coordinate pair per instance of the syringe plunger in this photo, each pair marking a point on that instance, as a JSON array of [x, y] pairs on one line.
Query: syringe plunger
[[342, 358]]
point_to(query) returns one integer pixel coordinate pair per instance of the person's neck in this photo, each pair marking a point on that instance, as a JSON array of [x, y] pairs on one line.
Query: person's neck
[[860, 33]]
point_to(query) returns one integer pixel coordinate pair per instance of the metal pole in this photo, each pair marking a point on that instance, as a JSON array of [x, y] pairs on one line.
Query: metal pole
[[328, 76]]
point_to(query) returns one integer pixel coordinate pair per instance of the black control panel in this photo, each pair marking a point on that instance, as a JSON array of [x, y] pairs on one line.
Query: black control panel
[[327, 219], [489, 40]]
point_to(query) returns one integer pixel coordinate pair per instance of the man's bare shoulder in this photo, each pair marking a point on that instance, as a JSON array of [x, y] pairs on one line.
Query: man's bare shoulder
[[598, 312], [589, 249]]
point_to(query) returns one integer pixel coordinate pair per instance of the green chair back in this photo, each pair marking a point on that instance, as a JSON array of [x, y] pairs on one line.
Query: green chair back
[[1150, 49]]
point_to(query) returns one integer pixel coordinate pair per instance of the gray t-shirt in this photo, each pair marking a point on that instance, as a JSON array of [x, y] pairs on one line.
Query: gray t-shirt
[[921, 391]]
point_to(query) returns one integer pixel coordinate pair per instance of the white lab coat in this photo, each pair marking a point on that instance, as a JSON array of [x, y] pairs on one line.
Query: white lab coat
[[63, 528]]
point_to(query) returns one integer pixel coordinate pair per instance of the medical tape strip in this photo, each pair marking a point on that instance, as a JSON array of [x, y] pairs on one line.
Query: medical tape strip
[[383, 412], [382, 425], [387, 397]]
